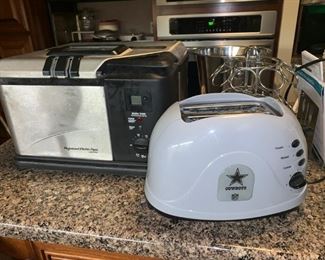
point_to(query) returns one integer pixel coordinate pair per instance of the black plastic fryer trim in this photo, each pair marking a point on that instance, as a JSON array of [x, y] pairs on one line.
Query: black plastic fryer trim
[[54, 163], [52, 81]]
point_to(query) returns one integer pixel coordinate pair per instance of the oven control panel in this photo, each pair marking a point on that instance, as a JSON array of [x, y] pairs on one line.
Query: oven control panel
[[217, 25]]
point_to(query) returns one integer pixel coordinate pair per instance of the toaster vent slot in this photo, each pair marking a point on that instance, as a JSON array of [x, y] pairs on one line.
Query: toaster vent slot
[[200, 111]]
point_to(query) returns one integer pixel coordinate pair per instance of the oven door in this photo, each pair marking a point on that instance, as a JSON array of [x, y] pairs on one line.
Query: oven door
[[182, 2], [193, 77]]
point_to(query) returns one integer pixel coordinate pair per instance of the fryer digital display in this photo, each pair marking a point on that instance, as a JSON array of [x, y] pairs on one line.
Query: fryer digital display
[[136, 100]]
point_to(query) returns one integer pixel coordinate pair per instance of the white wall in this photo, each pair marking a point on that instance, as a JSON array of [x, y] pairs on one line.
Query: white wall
[[288, 29], [135, 16]]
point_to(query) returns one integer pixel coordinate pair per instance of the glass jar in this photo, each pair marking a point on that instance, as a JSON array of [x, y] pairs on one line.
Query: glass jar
[[87, 20]]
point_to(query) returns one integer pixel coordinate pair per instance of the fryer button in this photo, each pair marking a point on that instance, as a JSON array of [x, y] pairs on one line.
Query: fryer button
[[145, 99], [60, 68], [47, 66], [295, 143], [297, 181], [141, 144], [74, 68]]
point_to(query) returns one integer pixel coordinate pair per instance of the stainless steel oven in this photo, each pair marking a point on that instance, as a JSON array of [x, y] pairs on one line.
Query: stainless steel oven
[[202, 30]]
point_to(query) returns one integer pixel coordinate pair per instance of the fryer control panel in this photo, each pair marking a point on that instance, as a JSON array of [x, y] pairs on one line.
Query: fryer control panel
[[138, 109], [139, 134]]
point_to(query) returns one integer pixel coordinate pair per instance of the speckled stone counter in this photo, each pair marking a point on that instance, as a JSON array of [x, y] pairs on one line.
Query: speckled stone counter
[[111, 213]]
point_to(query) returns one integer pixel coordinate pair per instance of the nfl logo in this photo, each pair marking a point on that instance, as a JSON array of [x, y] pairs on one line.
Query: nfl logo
[[234, 196]]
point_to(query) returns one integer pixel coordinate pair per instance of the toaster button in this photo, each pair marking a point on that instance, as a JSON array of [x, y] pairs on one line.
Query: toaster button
[[295, 143], [301, 162], [300, 152], [297, 181]]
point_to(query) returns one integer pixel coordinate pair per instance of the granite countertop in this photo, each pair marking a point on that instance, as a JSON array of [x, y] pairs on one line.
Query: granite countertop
[[106, 212]]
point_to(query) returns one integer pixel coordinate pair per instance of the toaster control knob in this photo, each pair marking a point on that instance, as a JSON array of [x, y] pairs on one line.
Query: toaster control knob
[[297, 181], [295, 143], [141, 144], [300, 152]]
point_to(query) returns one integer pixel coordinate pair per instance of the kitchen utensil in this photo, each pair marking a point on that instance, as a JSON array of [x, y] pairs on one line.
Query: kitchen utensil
[[208, 62], [131, 37], [250, 70], [106, 35], [226, 156], [86, 20]]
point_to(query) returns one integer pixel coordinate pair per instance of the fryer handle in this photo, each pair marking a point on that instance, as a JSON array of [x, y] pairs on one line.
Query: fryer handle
[[65, 51]]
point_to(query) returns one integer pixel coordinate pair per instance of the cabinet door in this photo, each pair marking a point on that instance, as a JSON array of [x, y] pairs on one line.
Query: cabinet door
[[15, 37], [24, 27], [59, 252], [16, 249]]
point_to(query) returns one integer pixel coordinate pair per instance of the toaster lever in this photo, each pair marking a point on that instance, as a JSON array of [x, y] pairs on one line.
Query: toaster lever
[[297, 181]]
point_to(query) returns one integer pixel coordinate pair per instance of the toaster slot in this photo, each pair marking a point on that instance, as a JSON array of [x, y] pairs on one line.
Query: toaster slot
[[200, 111]]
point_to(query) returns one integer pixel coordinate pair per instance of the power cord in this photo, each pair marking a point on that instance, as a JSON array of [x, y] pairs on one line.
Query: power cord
[[306, 65], [315, 181]]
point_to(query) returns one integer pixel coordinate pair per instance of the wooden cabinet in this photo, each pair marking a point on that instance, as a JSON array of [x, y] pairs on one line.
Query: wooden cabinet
[[27, 250], [16, 249], [15, 36], [24, 27]]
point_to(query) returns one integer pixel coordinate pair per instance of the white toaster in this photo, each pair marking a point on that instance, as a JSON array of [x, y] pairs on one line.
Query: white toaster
[[226, 156]]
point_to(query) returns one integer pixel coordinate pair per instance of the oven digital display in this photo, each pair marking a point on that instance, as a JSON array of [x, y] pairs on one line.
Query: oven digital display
[[211, 23], [136, 100]]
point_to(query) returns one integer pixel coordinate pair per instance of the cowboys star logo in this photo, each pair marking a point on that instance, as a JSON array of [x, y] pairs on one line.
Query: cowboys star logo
[[237, 177]]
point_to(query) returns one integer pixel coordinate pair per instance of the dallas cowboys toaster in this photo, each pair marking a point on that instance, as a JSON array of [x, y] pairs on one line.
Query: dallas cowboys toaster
[[226, 156]]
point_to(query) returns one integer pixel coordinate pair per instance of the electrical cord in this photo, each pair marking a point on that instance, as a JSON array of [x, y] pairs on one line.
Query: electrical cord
[[306, 65], [315, 181]]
